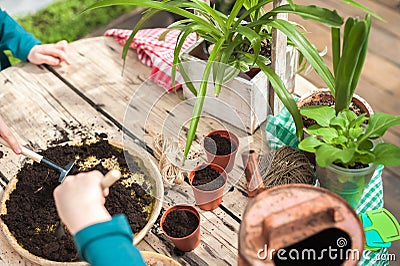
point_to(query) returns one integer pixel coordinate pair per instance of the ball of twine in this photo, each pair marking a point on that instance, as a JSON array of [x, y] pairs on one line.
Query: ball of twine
[[162, 148], [289, 166]]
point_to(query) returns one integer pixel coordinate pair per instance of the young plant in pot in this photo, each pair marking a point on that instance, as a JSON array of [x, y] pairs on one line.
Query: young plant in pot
[[236, 42], [181, 224], [348, 148], [208, 182], [347, 145]]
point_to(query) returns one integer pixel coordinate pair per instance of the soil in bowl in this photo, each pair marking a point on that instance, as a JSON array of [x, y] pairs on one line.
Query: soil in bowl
[[31, 213], [180, 223], [208, 179], [218, 145]]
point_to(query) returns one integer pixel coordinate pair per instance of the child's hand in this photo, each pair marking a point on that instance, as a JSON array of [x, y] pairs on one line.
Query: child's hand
[[80, 201], [9, 137], [51, 54]]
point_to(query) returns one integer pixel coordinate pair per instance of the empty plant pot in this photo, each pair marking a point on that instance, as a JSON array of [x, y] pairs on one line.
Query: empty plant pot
[[208, 182], [181, 224], [221, 147]]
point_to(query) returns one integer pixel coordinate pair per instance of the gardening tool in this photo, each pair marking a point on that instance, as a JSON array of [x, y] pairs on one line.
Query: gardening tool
[[40, 159], [110, 178]]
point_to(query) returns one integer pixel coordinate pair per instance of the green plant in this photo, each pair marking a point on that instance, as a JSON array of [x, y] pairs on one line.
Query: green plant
[[348, 61], [345, 139], [230, 35]]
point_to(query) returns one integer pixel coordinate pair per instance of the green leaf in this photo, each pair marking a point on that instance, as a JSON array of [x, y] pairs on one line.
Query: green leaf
[[283, 94], [354, 133], [387, 154], [335, 39], [364, 157], [315, 13], [341, 121], [327, 154], [366, 145], [363, 8], [327, 134], [361, 59], [348, 65], [340, 140], [253, 37], [348, 115], [310, 144], [321, 114], [378, 123], [359, 120], [306, 48], [198, 105]]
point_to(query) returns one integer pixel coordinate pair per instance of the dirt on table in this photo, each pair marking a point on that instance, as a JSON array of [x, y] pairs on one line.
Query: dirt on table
[[180, 223], [208, 179], [31, 213], [218, 145]]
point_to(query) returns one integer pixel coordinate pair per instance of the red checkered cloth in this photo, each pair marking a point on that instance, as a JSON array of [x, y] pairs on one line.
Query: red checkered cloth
[[154, 53]]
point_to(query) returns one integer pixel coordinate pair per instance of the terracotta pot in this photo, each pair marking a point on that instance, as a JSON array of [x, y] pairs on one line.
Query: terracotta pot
[[225, 161], [299, 218], [208, 200], [187, 243]]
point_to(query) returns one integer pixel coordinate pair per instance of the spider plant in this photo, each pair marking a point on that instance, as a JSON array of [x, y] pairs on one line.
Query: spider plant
[[230, 34]]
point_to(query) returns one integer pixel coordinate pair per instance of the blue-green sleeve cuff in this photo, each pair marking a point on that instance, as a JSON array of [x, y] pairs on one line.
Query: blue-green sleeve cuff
[[108, 243]]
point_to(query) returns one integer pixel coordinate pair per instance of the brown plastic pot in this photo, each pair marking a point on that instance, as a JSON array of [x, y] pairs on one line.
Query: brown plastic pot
[[225, 161], [187, 243], [208, 200], [283, 218]]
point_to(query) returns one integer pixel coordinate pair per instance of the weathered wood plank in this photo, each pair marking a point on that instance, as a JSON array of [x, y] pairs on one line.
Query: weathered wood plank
[[43, 101], [147, 108]]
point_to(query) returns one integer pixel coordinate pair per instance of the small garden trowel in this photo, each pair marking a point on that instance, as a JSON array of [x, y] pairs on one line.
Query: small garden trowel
[[40, 159]]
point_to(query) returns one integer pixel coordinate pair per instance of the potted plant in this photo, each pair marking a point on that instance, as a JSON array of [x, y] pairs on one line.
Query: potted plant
[[347, 149], [221, 147], [208, 182], [181, 224], [230, 35]]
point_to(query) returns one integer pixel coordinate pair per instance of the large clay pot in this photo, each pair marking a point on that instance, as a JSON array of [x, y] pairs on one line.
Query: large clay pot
[[225, 161], [302, 218], [187, 243], [208, 199]]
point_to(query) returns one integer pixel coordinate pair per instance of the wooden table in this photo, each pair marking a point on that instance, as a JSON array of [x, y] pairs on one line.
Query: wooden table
[[38, 102], [92, 92]]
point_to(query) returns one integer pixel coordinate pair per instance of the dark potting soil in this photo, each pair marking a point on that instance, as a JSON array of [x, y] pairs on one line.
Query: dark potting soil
[[218, 145], [31, 213], [327, 101], [208, 179], [180, 223]]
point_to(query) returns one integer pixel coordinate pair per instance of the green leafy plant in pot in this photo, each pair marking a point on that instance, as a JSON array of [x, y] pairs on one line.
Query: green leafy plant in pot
[[237, 42], [348, 147]]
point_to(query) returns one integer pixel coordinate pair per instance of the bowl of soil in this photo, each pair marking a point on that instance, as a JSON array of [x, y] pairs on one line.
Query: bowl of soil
[[29, 218], [221, 147], [181, 224], [208, 182]]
